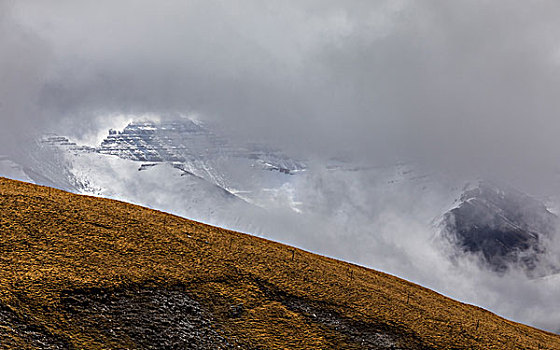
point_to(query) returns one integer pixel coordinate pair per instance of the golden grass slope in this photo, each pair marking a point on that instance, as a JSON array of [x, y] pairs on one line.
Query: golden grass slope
[[53, 242]]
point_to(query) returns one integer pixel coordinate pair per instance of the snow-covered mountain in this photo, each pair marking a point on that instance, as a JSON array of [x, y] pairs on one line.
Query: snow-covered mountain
[[182, 167]]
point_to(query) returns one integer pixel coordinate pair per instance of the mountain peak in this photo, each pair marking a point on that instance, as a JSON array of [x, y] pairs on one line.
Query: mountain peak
[[505, 226]]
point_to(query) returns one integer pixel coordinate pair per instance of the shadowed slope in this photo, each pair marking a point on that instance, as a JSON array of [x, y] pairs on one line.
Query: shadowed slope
[[83, 272]]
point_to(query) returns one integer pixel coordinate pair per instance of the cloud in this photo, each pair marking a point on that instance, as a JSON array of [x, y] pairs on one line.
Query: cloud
[[24, 58], [437, 81]]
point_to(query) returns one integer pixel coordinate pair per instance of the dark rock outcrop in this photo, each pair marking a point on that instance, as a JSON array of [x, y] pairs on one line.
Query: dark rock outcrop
[[17, 329], [146, 318], [505, 226]]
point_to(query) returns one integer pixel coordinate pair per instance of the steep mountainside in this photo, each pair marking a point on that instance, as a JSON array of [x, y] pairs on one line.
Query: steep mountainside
[[81, 272], [190, 168]]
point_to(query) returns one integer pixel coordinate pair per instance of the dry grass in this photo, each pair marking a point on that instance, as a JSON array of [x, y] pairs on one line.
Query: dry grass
[[52, 241]]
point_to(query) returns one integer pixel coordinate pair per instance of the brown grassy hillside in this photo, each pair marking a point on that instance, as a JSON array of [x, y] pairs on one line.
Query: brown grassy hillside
[[81, 272]]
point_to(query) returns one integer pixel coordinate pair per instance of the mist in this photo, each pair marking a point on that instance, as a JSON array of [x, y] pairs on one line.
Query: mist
[[463, 88]]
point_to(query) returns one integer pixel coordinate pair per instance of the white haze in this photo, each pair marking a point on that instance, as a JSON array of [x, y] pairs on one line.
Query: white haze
[[463, 88]]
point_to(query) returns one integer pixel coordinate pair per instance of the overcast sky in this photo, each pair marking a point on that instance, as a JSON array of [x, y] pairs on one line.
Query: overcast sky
[[445, 82]]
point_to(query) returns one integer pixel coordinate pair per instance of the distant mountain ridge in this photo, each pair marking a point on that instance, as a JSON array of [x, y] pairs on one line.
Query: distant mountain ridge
[[182, 141], [191, 147]]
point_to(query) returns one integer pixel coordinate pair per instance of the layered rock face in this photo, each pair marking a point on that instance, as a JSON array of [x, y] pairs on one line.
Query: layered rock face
[[187, 140], [505, 226]]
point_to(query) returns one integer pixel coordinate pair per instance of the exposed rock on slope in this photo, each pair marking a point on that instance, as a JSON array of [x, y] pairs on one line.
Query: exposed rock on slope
[[505, 226]]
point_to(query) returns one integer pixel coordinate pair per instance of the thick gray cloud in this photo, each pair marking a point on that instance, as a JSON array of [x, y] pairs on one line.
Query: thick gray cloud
[[24, 58], [436, 81]]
